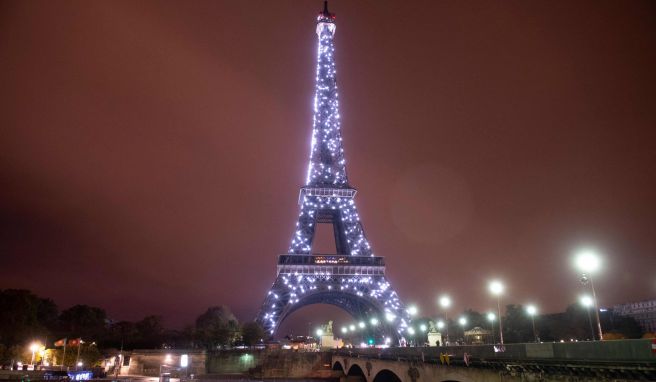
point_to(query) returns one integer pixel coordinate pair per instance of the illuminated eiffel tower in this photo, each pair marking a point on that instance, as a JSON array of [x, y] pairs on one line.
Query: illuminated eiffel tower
[[352, 278]]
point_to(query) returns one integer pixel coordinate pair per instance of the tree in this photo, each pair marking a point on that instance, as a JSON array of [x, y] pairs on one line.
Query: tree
[[217, 327], [150, 332], [24, 316], [516, 325], [84, 321], [122, 334], [252, 333], [89, 355]]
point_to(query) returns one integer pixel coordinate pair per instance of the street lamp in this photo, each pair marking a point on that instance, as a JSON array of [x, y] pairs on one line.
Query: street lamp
[[532, 311], [373, 321], [497, 289], [445, 303], [423, 327], [344, 329], [587, 302], [588, 262], [361, 325], [412, 310], [491, 317]]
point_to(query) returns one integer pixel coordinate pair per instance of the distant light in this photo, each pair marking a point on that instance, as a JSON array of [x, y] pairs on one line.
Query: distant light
[[412, 310], [588, 261], [491, 317], [344, 329], [374, 321], [445, 301], [352, 327], [390, 316], [496, 287], [34, 347], [462, 321], [440, 324], [531, 310], [319, 332], [79, 364], [168, 359], [586, 301], [184, 360], [422, 327], [411, 330], [361, 324]]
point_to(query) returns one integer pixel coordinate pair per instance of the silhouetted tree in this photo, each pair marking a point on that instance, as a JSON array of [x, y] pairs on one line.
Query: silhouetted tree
[[24, 316], [516, 325], [84, 321], [252, 333], [150, 332], [217, 327]]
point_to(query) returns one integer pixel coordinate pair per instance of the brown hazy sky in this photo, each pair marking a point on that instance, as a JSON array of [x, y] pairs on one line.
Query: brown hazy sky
[[151, 152]]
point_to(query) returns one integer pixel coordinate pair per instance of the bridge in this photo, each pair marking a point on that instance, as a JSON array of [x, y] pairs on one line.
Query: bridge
[[624, 360]]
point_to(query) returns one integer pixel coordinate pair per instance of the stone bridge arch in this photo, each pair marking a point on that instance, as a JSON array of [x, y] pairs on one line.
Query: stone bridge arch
[[386, 375], [371, 369], [356, 371]]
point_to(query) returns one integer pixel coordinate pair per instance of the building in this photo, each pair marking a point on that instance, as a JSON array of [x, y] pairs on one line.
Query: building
[[644, 312]]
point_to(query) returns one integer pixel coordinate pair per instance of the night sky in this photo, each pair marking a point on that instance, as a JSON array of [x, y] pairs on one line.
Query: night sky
[[151, 152]]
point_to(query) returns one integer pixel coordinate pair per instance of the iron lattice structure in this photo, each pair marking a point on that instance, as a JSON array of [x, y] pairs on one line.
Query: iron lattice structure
[[353, 278]]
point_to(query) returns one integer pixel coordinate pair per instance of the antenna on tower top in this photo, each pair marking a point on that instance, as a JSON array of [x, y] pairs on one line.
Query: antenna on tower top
[[326, 13]]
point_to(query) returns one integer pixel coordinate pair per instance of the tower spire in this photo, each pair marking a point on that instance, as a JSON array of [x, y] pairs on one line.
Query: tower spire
[[327, 196]]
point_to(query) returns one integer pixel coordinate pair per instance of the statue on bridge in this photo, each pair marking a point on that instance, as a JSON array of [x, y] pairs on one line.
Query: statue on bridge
[[327, 328]]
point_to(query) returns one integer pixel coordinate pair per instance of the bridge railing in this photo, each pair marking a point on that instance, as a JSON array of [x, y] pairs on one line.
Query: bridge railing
[[602, 351]]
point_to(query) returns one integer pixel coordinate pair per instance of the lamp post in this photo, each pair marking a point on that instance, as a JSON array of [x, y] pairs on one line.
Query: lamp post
[[496, 287], [532, 311], [445, 303], [586, 301], [320, 335], [491, 317], [411, 332], [33, 348], [588, 262], [463, 321]]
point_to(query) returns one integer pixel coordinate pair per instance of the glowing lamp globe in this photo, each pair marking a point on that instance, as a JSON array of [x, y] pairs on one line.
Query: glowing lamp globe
[[531, 310], [491, 317], [445, 302], [588, 261], [586, 301], [496, 287]]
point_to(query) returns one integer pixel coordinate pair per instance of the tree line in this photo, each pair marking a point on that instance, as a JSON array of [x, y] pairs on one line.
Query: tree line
[[26, 317], [575, 323]]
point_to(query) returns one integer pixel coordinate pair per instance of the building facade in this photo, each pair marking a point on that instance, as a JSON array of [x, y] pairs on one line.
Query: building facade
[[644, 312]]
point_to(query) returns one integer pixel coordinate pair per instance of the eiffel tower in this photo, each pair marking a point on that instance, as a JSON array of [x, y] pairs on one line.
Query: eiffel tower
[[352, 278]]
